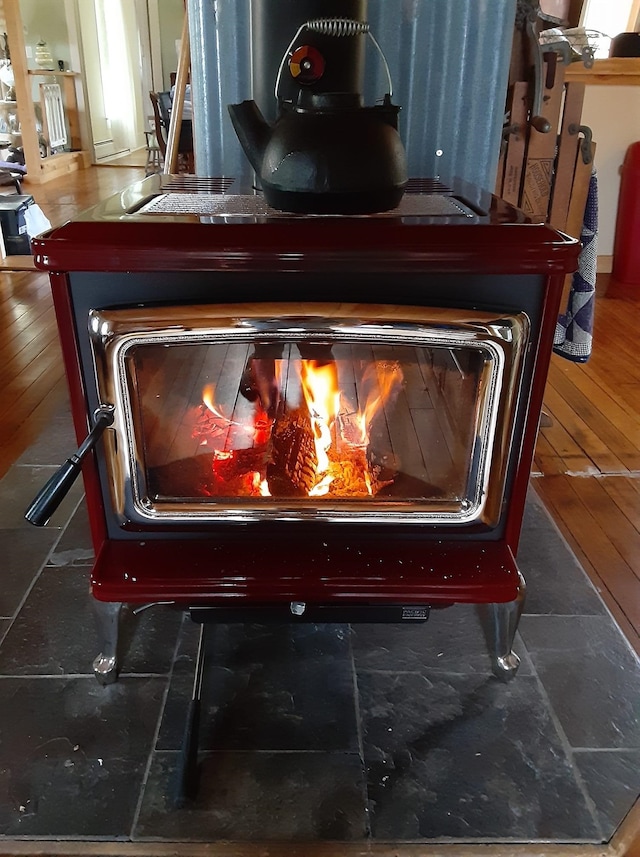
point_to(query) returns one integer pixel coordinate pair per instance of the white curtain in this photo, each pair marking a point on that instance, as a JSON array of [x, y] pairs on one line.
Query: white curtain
[[119, 49]]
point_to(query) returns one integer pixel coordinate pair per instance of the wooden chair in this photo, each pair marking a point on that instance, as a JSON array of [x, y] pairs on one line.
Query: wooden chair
[[154, 156], [161, 103], [12, 174], [160, 128]]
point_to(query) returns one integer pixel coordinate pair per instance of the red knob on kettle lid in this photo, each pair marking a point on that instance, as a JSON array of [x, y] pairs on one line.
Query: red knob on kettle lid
[[306, 64]]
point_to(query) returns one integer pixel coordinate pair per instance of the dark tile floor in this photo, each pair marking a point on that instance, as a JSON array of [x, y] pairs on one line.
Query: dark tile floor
[[308, 732]]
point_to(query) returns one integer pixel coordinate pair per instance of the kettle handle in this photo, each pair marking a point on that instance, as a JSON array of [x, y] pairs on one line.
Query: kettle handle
[[335, 27]]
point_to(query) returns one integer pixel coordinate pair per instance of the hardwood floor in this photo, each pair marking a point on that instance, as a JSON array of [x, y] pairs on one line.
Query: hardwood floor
[[587, 464], [31, 372]]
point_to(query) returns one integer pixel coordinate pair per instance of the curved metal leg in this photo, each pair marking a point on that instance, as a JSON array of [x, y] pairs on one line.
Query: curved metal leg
[[107, 616], [505, 619]]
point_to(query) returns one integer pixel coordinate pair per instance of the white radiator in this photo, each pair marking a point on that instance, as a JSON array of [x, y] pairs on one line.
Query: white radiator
[[54, 126]]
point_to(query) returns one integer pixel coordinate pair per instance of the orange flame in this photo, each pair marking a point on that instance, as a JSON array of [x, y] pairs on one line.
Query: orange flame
[[322, 395], [259, 430], [208, 397], [379, 383], [382, 380]]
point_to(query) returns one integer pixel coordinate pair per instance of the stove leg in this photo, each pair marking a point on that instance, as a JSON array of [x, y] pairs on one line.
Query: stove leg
[[505, 618], [107, 616]]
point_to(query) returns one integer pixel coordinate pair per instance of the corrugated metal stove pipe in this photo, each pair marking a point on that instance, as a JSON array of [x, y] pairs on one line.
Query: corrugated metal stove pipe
[[449, 63], [273, 25], [236, 50]]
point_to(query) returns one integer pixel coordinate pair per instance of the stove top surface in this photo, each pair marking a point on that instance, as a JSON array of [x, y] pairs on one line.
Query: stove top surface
[[188, 222], [224, 199], [251, 206]]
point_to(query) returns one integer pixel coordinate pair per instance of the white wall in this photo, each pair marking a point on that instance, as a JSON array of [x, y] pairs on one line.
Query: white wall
[[171, 16], [134, 122], [100, 131], [46, 21], [613, 114]]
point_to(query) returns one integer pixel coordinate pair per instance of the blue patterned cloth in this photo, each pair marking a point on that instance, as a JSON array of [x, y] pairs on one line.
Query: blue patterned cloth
[[574, 330]]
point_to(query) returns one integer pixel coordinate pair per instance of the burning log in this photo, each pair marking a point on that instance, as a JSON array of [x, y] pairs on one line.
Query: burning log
[[287, 461], [284, 461], [291, 471]]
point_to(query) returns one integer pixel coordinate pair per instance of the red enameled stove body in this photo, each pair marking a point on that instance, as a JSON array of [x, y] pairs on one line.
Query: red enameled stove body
[[485, 260]]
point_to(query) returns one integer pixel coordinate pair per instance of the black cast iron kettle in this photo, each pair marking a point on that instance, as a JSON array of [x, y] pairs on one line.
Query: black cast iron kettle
[[326, 153]]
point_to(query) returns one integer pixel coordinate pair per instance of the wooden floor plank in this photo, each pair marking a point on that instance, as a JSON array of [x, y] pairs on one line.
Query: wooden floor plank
[[547, 461], [604, 399], [14, 444], [619, 439], [572, 436], [27, 353], [625, 493], [614, 368]]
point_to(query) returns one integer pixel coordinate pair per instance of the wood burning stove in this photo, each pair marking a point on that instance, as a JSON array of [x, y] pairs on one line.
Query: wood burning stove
[[323, 417]]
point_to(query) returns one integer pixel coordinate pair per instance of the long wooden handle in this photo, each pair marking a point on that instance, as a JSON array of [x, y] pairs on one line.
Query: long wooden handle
[[175, 123]]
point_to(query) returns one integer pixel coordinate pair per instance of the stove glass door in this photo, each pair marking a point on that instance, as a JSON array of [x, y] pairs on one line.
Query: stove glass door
[[315, 416]]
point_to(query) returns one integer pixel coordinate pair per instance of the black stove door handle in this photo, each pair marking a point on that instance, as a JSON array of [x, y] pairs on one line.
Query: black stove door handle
[[52, 494]]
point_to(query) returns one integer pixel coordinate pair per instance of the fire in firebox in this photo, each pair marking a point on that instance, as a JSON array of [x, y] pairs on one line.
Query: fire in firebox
[[308, 438], [233, 415]]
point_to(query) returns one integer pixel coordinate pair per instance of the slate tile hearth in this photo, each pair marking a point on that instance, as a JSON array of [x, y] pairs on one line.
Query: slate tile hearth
[[327, 732]]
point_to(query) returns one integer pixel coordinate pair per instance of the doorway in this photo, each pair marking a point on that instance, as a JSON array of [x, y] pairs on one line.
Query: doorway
[[114, 37]]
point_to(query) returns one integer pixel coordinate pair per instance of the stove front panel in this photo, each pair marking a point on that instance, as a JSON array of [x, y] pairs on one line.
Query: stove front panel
[[436, 297], [387, 415]]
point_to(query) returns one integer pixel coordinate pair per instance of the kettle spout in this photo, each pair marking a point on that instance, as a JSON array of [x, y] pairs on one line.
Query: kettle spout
[[252, 129]]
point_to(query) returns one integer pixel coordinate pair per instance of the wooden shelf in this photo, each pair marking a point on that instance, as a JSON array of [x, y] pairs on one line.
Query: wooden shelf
[[619, 71], [17, 263], [43, 72], [41, 169]]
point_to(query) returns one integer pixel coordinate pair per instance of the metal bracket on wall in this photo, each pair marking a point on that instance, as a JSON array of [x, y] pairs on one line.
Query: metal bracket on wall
[[586, 149]]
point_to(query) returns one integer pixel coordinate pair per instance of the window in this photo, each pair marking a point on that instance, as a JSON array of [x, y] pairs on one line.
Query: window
[[610, 18]]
